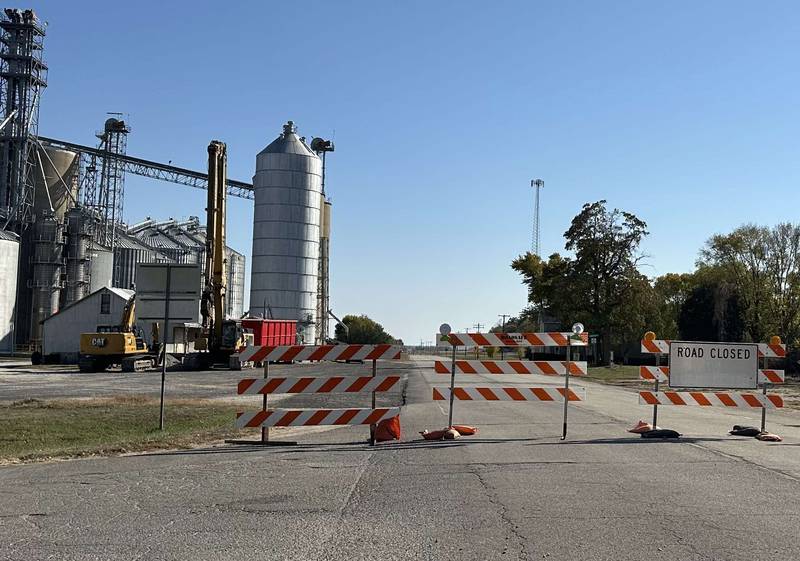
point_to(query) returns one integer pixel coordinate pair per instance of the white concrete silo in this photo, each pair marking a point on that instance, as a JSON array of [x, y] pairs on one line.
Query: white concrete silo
[[286, 231]]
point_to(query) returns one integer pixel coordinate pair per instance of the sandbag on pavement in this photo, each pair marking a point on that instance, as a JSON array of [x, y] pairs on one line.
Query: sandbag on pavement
[[641, 427], [465, 430], [661, 433], [739, 430], [769, 437]]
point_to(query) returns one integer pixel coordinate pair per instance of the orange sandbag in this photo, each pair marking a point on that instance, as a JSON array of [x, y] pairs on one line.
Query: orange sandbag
[[641, 427], [769, 437], [388, 429], [465, 430], [433, 434], [451, 434]]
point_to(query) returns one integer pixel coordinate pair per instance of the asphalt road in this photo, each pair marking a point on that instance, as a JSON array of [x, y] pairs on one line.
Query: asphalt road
[[515, 491]]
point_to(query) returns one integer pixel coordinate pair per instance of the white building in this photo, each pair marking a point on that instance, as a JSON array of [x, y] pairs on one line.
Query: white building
[[61, 332]]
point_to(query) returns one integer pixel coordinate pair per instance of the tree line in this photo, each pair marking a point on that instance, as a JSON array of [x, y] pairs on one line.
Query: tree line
[[745, 286]]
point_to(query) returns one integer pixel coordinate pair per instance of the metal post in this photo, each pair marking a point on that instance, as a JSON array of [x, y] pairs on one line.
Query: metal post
[[655, 405], [764, 406], [452, 388], [164, 338], [566, 390], [503, 329], [264, 405], [373, 427]]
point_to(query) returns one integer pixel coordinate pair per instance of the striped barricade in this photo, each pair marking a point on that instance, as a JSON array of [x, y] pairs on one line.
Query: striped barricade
[[661, 374], [765, 350], [712, 399], [550, 339], [543, 367], [565, 368], [266, 386], [312, 384], [472, 393], [296, 353], [314, 417], [766, 377]]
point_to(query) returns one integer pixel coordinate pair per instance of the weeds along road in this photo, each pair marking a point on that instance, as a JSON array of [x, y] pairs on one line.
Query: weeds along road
[[512, 492]]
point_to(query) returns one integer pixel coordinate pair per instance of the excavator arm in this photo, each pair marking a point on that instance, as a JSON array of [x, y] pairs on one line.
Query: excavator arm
[[128, 319]]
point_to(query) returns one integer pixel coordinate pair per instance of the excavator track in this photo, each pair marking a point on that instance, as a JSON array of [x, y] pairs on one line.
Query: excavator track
[[139, 363]]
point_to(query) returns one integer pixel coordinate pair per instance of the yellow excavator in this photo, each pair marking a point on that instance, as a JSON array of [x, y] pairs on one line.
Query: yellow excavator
[[220, 337], [119, 344]]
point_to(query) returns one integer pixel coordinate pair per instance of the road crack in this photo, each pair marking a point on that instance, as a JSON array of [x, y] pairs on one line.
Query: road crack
[[502, 510]]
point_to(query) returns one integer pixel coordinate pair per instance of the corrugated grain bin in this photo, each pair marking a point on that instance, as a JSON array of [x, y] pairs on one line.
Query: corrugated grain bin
[[286, 228]]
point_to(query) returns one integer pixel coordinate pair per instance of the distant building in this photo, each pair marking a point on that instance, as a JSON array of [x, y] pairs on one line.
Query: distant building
[[184, 242], [61, 332]]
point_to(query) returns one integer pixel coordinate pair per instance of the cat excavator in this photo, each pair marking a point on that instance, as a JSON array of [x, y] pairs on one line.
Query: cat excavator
[[220, 338], [121, 344]]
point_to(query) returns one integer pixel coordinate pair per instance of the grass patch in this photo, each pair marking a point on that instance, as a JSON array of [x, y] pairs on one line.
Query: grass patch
[[35, 429], [616, 375]]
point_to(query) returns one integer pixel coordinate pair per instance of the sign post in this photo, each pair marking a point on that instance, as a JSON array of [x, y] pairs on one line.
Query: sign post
[[577, 329], [444, 331], [164, 339]]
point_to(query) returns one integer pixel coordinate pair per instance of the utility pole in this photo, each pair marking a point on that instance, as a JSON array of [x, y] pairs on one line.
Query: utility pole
[[478, 327], [503, 330], [536, 184]]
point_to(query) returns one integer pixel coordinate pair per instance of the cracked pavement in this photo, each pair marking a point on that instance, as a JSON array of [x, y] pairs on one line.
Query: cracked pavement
[[514, 491]]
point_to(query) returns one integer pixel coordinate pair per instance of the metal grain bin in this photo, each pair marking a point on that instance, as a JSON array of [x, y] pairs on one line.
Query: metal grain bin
[[286, 231]]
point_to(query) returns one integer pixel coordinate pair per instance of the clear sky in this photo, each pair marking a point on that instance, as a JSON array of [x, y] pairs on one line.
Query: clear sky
[[685, 113]]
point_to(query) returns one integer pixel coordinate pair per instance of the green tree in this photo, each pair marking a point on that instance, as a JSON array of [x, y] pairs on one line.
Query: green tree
[[783, 280], [764, 266], [742, 255], [671, 292], [601, 285], [362, 331]]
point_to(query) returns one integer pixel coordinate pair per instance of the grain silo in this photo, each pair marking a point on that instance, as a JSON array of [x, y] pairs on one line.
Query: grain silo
[[286, 230], [234, 297], [9, 258]]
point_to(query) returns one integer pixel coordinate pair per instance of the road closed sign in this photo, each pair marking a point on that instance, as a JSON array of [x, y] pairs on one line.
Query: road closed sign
[[713, 365]]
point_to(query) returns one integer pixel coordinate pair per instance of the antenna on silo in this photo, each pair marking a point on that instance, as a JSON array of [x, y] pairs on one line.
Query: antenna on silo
[[536, 184]]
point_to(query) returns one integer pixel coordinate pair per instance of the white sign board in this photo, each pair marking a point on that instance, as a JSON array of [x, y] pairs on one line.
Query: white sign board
[[713, 365]]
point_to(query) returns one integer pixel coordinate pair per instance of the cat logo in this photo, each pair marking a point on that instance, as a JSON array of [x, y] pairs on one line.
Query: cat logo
[[98, 341]]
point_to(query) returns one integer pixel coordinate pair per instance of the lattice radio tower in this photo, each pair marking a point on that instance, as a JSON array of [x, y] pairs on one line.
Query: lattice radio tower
[[536, 184]]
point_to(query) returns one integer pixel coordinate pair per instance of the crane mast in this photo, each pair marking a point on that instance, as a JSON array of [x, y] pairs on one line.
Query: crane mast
[[216, 279]]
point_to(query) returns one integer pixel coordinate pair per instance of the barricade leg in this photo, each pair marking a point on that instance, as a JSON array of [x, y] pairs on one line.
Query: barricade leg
[[655, 406], [373, 427], [452, 386], [264, 404]]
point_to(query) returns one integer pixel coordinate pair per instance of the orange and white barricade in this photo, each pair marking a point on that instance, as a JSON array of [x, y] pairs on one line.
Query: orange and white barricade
[[296, 353], [565, 368], [660, 374], [314, 417], [475, 393], [542, 367], [712, 399], [266, 386], [765, 350]]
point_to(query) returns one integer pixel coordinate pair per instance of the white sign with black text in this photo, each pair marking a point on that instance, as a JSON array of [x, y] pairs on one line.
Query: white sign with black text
[[713, 365]]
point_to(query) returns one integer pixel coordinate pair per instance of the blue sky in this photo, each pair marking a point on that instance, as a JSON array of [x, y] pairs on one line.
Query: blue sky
[[684, 113]]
